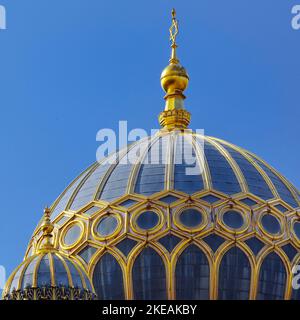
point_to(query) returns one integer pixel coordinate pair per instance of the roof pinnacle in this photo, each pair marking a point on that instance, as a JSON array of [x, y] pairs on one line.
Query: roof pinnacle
[[47, 228], [174, 80]]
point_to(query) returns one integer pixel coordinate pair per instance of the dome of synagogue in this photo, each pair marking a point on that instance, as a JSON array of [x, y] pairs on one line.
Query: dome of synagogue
[[178, 215]]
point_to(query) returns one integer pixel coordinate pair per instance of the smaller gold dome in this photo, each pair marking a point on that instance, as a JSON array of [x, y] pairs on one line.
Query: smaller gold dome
[[174, 78]]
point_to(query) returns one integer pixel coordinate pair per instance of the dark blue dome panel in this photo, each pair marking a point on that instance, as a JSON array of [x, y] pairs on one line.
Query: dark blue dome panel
[[256, 183], [222, 175], [183, 181]]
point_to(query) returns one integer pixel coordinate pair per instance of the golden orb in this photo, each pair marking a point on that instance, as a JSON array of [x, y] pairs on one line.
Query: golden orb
[[174, 78]]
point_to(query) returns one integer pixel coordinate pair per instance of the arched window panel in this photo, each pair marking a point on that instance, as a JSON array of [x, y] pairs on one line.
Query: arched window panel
[[27, 280], [149, 276], [295, 294], [234, 276], [108, 279], [192, 275], [272, 278]]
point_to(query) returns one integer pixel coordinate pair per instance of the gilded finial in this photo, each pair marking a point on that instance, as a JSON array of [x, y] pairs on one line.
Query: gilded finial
[[174, 80], [47, 228], [174, 30]]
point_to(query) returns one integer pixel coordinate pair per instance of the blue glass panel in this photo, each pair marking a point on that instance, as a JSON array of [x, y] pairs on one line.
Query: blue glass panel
[[297, 194], [126, 245], [192, 275], [272, 279], [61, 205], [116, 185], [44, 274], [92, 210], [214, 241], [222, 175], [107, 226], [248, 202], [149, 276], [191, 218], [233, 219], [169, 242], [168, 199], [72, 235], [117, 182], [210, 198], [281, 208], [270, 224], [147, 220], [108, 279], [234, 276], [255, 245], [297, 229], [128, 203], [15, 282], [62, 220], [184, 162], [27, 280], [256, 183], [87, 253], [295, 294], [282, 189], [151, 176], [77, 283], [290, 251], [88, 189], [60, 273], [87, 282]]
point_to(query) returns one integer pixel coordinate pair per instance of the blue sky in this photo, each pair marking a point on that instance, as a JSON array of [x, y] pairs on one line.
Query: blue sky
[[69, 68]]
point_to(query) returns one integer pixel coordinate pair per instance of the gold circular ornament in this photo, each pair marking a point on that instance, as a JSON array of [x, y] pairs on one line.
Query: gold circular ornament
[[107, 226], [271, 225], [190, 219], [147, 221], [233, 220], [75, 231]]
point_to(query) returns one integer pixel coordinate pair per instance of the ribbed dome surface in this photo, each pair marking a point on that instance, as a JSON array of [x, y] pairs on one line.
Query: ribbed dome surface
[[227, 169], [46, 271]]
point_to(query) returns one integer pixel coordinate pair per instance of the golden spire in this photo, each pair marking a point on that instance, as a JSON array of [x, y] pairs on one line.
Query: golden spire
[[47, 228], [174, 80], [173, 34]]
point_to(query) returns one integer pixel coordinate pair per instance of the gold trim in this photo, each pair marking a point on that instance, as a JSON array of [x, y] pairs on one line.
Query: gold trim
[[181, 226], [65, 230], [232, 163], [279, 219], [244, 214], [245, 154], [117, 230], [135, 215]]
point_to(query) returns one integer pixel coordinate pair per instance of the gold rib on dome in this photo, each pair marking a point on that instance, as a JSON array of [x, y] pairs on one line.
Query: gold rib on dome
[[174, 80]]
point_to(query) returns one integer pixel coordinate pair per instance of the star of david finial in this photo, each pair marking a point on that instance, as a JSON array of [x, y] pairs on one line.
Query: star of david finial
[[174, 28]]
